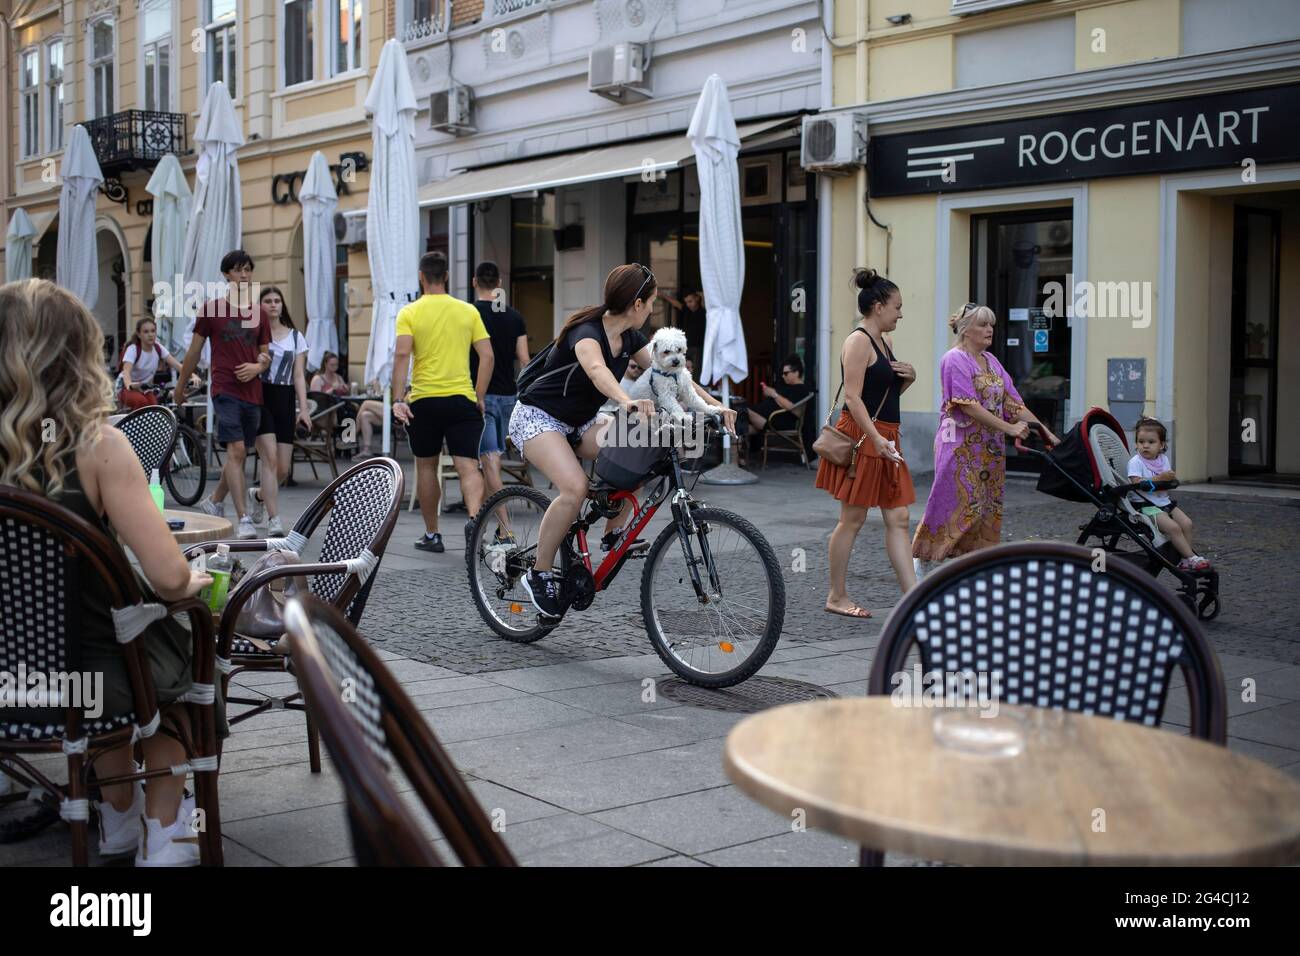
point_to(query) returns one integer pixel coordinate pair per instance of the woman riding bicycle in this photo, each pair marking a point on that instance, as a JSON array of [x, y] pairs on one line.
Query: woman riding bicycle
[[556, 423], [141, 361]]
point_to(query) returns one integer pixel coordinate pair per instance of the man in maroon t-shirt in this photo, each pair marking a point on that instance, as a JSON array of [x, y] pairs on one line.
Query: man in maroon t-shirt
[[240, 333]]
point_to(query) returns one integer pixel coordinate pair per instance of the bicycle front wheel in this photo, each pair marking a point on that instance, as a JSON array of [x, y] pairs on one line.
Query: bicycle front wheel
[[723, 633], [500, 551], [186, 475]]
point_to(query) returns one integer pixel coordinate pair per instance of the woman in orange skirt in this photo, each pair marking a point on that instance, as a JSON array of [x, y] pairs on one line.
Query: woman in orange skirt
[[873, 381]]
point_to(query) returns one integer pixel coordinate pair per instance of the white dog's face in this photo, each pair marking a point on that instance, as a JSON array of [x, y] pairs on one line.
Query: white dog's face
[[668, 348]]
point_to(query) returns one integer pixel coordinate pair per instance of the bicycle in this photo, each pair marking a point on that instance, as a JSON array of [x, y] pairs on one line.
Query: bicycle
[[707, 634]]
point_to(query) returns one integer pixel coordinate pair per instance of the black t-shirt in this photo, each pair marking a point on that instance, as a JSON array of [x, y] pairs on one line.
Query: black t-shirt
[[769, 407], [570, 396], [504, 329], [692, 322]]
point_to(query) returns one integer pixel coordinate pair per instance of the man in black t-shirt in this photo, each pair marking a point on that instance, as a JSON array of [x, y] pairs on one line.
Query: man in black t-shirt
[[692, 318], [778, 400], [509, 336]]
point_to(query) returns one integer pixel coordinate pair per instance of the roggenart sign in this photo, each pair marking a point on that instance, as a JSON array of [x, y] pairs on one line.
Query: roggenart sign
[[1201, 132]]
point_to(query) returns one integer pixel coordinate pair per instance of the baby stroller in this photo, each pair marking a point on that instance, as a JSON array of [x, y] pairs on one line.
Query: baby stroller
[[1091, 465]]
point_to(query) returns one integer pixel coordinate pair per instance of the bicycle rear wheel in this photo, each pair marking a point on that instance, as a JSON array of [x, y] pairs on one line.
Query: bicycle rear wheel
[[186, 475], [500, 551], [723, 636]]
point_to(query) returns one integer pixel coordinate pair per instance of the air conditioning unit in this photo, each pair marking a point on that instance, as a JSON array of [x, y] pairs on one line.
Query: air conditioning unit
[[451, 110], [350, 230], [836, 142], [618, 72]]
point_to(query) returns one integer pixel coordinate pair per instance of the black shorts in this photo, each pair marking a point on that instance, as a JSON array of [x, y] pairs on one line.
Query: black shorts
[[237, 420], [279, 407], [451, 417]]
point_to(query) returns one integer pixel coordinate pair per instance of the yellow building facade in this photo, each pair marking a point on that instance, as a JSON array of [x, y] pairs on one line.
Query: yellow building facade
[[1117, 180], [299, 73]]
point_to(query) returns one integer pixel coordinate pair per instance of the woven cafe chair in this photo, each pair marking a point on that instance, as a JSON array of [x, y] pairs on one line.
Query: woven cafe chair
[[353, 518], [370, 725], [789, 436], [152, 432], [1049, 631], [47, 556]]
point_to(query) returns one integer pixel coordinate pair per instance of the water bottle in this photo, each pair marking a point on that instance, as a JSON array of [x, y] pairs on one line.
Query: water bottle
[[219, 567], [156, 491]]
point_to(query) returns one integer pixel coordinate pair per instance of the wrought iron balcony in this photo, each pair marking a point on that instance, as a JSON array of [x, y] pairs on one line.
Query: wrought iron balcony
[[136, 139]]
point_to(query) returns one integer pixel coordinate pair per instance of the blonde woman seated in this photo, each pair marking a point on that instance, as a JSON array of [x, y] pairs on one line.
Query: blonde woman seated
[[51, 367]]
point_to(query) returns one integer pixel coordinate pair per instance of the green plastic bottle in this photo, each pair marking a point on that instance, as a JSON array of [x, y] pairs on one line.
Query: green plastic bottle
[[156, 490], [219, 567]]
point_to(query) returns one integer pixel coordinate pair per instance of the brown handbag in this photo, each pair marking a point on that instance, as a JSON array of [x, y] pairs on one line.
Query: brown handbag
[[836, 446]]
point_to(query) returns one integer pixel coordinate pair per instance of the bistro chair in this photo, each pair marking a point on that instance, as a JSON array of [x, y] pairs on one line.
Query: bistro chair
[[152, 432], [320, 444], [446, 472], [358, 511], [1049, 631], [514, 466], [47, 556], [789, 438], [371, 726]]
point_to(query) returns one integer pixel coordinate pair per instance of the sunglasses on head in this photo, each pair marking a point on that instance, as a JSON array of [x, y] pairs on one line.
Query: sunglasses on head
[[968, 307], [649, 277]]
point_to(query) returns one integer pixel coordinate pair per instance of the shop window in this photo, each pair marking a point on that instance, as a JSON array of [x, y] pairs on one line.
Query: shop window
[[29, 95], [532, 265]]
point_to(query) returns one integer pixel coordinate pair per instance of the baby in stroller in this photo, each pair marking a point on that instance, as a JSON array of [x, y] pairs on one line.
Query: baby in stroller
[[1151, 464]]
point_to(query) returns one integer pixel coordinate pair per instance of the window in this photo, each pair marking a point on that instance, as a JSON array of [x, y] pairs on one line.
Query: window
[[156, 53], [54, 96], [219, 26], [29, 96], [345, 35], [420, 19], [298, 65], [103, 37]]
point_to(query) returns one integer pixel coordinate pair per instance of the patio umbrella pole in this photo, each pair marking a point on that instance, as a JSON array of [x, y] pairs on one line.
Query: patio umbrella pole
[[728, 473], [388, 420]]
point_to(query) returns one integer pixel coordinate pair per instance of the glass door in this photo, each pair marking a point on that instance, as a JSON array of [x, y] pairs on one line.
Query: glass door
[[1015, 260], [1256, 242], [532, 266]]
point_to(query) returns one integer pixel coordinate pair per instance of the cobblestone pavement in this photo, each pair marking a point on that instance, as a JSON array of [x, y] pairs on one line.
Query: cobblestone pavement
[[420, 606]]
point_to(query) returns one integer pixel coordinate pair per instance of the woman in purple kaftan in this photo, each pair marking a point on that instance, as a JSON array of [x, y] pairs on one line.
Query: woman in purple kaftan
[[980, 407]]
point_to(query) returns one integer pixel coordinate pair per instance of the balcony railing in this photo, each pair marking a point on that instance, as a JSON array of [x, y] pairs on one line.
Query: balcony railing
[[425, 21], [136, 139]]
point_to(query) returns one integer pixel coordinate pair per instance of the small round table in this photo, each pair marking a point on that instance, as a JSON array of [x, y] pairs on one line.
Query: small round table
[[199, 527], [1082, 791]]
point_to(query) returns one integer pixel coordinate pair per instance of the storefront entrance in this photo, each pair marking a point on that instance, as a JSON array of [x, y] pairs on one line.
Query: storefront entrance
[[1256, 263], [1015, 259]]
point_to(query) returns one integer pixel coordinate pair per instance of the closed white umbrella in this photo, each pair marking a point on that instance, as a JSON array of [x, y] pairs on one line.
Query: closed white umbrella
[[18, 246], [722, 251], [77, 266], [215, 226], [319, 200], [392, 212], [172, 204]]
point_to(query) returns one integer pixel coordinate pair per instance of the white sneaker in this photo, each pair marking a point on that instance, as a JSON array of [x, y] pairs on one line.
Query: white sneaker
[[210, 507], [176, 845], [119, 830], [246, 529], [256, 507], [275, 527]]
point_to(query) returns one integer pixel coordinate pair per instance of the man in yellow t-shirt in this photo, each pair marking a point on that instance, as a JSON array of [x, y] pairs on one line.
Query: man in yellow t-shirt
[[437, 331]]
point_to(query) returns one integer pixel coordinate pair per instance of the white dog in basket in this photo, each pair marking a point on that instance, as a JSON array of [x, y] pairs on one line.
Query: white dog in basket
[[667, 382]]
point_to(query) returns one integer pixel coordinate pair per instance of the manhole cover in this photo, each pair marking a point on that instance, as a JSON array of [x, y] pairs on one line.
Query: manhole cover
[[755, 694]]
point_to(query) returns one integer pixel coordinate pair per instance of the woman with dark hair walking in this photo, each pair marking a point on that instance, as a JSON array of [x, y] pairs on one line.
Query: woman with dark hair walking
[[873, 380]]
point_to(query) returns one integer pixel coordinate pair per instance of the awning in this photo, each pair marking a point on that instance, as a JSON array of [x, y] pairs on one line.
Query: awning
[[41, 222], [570, 169]]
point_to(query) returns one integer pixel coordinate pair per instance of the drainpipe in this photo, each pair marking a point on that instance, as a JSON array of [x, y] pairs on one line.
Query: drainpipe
[[824, 234]]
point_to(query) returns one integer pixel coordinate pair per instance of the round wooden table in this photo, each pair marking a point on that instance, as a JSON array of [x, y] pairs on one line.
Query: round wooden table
[[199, 527], [1080, 791]]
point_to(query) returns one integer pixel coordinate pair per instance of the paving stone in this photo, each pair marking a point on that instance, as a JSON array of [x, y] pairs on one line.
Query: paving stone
[[573, 840], [1279, 726], [553, 748], [296, 838], [499, 718], [806, 848], [695, 823], [611, 700]]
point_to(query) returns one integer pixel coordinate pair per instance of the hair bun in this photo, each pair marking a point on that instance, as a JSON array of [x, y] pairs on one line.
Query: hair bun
[[865, 278], [952, 324]]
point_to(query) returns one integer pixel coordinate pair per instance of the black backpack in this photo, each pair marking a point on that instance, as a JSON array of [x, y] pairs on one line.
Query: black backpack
[[538, 368]]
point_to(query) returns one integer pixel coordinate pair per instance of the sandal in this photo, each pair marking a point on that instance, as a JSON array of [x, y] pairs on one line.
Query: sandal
[[861, 613]]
